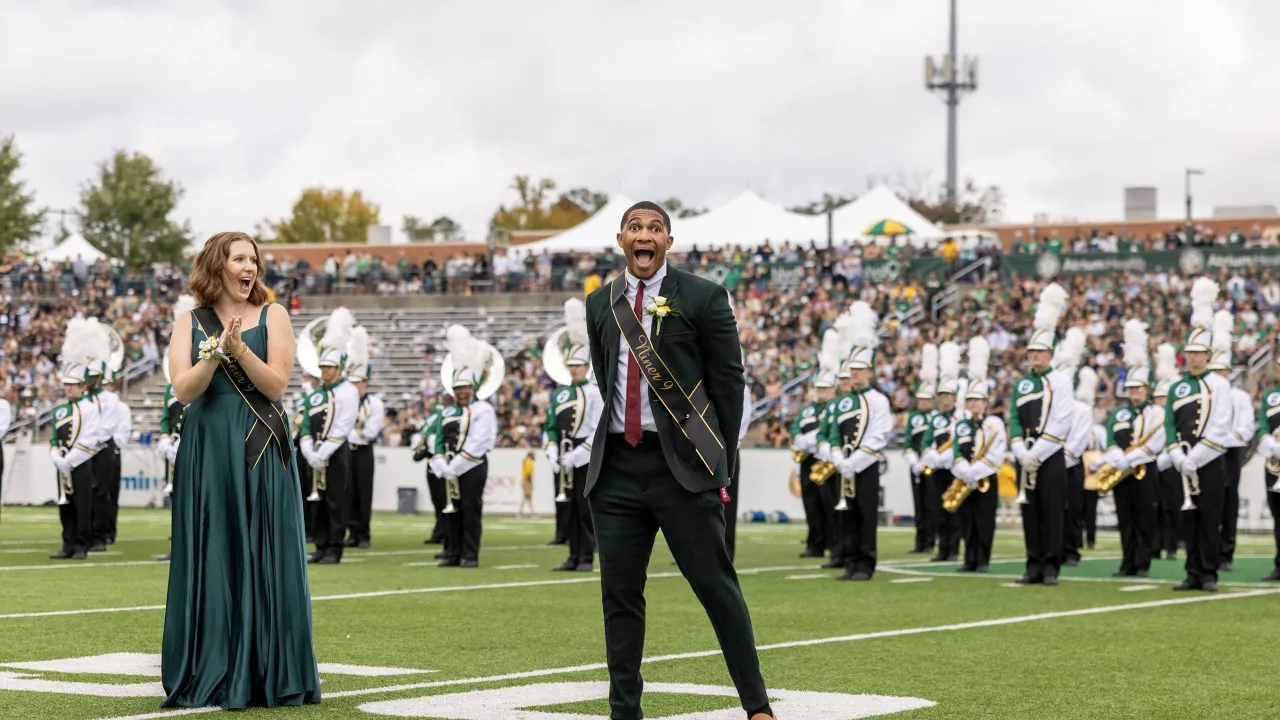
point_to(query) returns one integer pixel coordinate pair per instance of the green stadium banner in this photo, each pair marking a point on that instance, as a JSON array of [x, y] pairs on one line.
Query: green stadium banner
[[1188, 261]]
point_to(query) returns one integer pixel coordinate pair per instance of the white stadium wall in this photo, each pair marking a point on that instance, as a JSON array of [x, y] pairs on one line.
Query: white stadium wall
[[764, 488]]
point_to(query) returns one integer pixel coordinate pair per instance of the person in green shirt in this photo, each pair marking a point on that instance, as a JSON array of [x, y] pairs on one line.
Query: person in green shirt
[[428, 441], [804, 444]]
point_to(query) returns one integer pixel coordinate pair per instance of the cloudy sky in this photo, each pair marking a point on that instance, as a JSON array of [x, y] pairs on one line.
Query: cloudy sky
[[431, 107]]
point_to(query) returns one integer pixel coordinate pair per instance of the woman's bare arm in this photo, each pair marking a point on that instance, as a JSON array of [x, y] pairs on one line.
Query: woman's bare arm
[[189, 382], [272, 376]]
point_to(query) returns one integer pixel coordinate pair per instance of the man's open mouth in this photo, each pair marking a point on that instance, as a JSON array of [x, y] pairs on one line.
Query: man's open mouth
[[643, 256]]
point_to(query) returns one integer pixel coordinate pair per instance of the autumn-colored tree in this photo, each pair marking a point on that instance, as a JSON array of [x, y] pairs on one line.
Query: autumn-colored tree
[[674, 207], [442, 229], [973, 204], [324, 215], [828, 203], [533, 212], [125, 214]]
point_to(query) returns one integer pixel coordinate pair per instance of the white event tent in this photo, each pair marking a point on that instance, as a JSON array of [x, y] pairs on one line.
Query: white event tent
[[69, 249], [748, 220], [851, 222]]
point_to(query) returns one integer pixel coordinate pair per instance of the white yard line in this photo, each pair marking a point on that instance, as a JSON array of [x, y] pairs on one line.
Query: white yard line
[[592, 578], [80, 564], [591, 667], [900, 581]]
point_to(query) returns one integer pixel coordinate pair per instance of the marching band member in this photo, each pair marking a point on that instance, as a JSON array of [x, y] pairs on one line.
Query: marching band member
[[77, 431], [364, 435], [1066, 360], [979, 448], [572, 416], [1268, 447], [296, 415], [106, 459], [838, 341], [6, 419], [426, 443], [554, 356], [1089, 516], [1243, 429], [1134, 443], [1169, 494], [171, 413], [469, 430], [1040, 418], [804, 446], [939, 455], [121, 430], [1198, 424], [331, 414], [916, 431], [861, 429]]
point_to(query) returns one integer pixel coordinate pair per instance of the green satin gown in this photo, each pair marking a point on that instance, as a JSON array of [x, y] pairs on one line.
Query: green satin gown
[[237, 624]]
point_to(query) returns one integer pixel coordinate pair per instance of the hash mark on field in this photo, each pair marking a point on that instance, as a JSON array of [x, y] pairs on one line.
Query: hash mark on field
[[901, 581], [595, 667], [1136, 588], [1010, 585], [814, 576], [514, 567], [82, 564]]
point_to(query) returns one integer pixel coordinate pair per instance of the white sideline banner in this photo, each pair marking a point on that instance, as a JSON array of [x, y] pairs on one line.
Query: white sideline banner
[[764, 484]]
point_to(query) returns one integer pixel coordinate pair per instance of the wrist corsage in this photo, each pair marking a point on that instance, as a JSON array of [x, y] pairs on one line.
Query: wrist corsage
[[209, 350]]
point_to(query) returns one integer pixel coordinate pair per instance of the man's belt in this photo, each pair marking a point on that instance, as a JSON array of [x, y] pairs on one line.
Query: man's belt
[[270, 424], [685, 408]]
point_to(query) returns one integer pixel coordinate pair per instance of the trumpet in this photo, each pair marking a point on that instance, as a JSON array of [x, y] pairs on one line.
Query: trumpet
[[168, 478], [1190, 483], [1273, 464], [926, 471], [452, 490], [566, 474], [318, 483], [1026, 482], [64, 488], [848, 491]]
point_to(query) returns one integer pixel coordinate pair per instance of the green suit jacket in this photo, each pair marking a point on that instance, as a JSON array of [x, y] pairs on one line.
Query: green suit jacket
[[699, 345]]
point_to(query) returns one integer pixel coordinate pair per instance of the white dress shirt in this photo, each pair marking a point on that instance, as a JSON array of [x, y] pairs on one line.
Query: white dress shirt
[[618, 415], [110, 417], [1078, 438], [375, 415], [6, 417], [746, 413], [482, 434]]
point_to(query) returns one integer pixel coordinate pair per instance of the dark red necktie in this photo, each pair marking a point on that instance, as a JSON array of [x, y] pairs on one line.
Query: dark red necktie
[[632, 413]]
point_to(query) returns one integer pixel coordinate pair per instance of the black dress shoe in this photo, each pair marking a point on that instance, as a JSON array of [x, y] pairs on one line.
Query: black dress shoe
[[79, 555], [441, 555], [111, 541], [1209, 586], [349, 542], [558, 542], [1071, 561], [586, 567], [363, 545], [938, 558], [1025, 580], [954, 557], [810, 554], [1275, 575], [1122, 573], [450, 563], [1089, 546], [163, 558], [980, 569], [61, 555], [1051, 580], [1187, 585], [97, 547], [328, 560], [470, 563], [832, 565], [846, 575], [917, 551], [566, 566], [1141, 573], [1227, 567], [860, 577], [965, 568]]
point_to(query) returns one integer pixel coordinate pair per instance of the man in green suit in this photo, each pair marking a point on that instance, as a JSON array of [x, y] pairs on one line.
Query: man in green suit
[[664, 347]]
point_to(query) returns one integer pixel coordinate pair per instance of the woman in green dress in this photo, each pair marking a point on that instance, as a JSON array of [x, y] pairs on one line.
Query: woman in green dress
[[237, 626]]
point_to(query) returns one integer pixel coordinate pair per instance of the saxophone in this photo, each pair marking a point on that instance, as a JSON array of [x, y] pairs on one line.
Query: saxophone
[[1273, 465], [959, 490], [1109, 477]]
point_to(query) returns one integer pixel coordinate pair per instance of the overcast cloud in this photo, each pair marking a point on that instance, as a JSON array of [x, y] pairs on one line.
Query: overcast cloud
[[430, 107]]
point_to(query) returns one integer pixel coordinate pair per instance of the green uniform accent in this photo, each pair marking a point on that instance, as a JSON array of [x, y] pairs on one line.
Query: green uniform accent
[[1269, 412], [808, 419], [917, 430]]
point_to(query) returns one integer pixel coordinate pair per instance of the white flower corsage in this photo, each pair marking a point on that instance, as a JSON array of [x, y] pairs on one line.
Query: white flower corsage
[[209, 350], [659, 308]]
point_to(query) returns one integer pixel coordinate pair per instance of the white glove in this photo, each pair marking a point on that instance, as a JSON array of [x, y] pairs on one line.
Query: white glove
[[824, 452], [917, 469], [1093, 466], [845, 466], [438, 465], [162, 447], [1030, 463], [1163, 463], [1020, 452], [797, 470], [968, 478], [911, 457], [173, 450], [929, 457], [64, 467], [553, 453], [1188, 467], [555, 465]]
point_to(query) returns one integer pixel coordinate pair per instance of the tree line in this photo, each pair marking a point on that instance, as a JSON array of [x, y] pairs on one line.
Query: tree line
[[127, 211]]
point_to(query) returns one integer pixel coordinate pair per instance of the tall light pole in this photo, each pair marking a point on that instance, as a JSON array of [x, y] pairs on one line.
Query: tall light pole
[[952, 80], [1187, 177]]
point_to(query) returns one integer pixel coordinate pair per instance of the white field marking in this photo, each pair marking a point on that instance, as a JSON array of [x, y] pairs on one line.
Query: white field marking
[[384, 593], [433, 551], [1013, 585], [69, 564], [45, 541], [893, 567], [514, 567], [811, 577], [47, 548], [1137, 588], [900, 581], [592, 667]]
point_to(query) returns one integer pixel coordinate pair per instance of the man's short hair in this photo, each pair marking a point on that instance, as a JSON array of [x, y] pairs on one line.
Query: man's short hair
[[647, 205]]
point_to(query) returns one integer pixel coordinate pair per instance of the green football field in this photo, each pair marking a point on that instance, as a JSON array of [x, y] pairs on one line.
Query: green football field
[[397, 636]]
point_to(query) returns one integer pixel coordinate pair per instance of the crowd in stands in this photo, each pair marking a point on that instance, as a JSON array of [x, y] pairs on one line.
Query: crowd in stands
[[780, 323]]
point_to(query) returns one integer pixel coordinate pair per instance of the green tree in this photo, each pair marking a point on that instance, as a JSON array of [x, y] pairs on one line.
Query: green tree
[[973, 205], [828, 203], [126, 213], [674, 207], [20, 222], [442, 229], [324, 215], [588, 199]]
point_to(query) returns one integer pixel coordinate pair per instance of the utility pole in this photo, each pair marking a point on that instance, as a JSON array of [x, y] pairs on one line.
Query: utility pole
[[952, 80], [1187, 178]]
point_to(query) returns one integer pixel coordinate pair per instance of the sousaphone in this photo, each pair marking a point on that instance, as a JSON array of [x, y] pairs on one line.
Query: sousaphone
[[308, 353], [554, 354]]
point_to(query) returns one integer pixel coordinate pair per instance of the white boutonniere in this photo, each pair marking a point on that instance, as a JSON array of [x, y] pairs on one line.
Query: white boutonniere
[[209, 350], [659, 307]]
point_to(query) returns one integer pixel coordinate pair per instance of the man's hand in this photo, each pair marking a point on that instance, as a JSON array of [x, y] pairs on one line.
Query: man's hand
[[1030, 463]]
